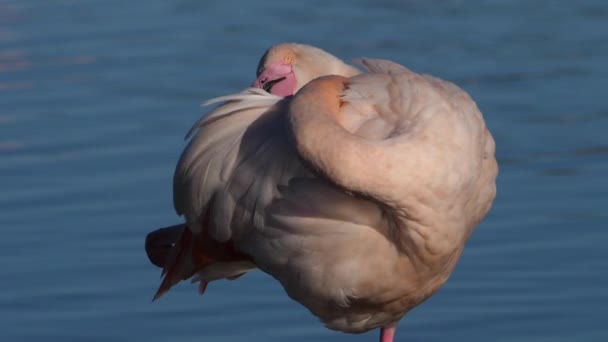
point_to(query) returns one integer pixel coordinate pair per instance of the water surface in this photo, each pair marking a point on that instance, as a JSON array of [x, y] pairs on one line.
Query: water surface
[[96, 96]]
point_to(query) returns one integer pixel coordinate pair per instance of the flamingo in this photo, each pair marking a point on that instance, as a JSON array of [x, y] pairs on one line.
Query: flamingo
[[357, 191]]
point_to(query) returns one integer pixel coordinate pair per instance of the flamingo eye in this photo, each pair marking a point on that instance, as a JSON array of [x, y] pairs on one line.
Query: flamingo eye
[[288, 59]]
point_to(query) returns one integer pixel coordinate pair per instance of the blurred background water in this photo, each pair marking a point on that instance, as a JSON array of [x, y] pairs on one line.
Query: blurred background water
[[96, 96]]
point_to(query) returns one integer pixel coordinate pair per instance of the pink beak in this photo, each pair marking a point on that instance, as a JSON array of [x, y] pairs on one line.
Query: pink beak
[[277, 79]]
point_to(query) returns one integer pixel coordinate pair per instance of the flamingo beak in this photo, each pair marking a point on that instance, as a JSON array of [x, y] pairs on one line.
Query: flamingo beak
[[277, 79]]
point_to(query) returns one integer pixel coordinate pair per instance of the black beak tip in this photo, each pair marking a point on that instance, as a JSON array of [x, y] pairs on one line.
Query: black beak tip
[[267, 85]]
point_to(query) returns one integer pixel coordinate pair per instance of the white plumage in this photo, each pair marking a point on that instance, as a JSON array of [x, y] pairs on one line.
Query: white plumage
[[358, 194]]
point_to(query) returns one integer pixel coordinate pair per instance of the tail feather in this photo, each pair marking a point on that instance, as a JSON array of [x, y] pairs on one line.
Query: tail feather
[[181, 263], [160, 242], [183, 254]]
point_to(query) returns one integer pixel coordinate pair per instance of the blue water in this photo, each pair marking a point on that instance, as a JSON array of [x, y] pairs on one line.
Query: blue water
[[96, 96]]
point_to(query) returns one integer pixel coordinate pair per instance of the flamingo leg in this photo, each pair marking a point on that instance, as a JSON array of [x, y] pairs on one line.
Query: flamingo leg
[[387, 333]]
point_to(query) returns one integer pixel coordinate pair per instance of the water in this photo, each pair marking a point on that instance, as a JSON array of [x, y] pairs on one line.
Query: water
[[95, 97]]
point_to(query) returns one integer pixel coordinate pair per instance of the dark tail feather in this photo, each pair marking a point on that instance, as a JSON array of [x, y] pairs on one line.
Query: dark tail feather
[[160, 242], [182, 253]]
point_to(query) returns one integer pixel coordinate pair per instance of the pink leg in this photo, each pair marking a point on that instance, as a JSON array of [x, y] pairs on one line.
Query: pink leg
[[387, 333]]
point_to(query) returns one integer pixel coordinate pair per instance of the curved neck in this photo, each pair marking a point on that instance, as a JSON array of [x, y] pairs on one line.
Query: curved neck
[[349, 161], [436, 179], [396, 172]]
